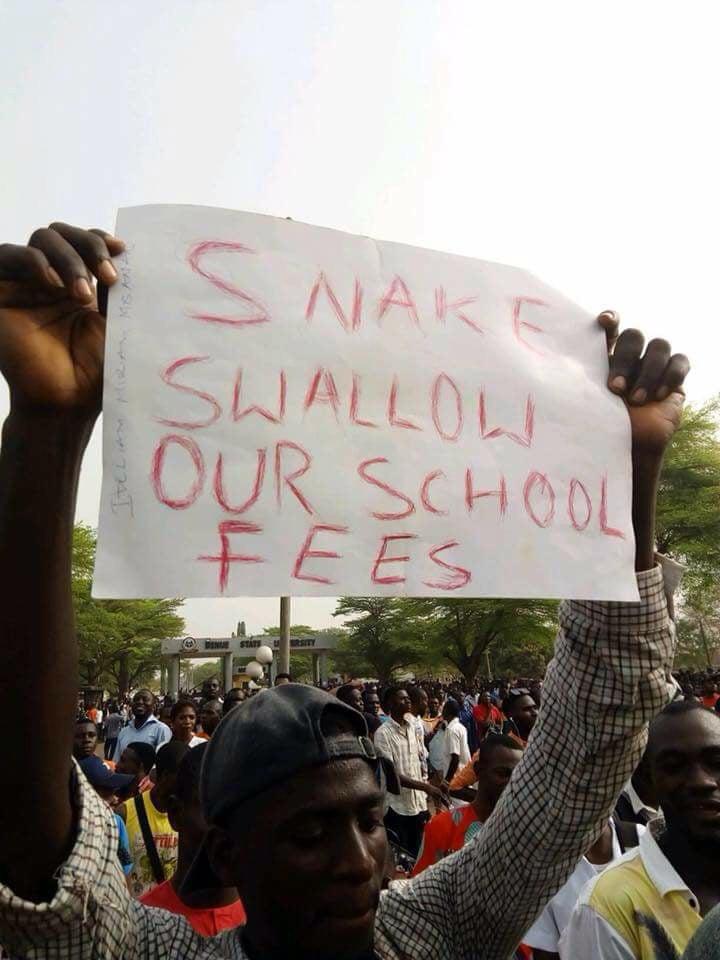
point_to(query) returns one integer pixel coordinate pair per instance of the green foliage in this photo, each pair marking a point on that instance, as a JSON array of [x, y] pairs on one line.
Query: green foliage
[[698, 628], [118, 640], [516, 635], [688, 520], [379, 641]]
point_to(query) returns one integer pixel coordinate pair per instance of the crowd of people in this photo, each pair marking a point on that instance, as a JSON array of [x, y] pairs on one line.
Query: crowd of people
[[578, 817]]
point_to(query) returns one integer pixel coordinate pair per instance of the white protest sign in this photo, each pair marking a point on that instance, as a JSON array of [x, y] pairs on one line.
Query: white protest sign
[[294, 410]]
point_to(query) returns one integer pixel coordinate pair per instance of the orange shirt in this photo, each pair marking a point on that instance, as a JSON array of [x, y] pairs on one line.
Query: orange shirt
[[207, 921], [445, 833], [710, 701]]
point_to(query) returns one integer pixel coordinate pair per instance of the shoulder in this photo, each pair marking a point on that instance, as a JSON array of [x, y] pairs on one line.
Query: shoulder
[[614, 892]]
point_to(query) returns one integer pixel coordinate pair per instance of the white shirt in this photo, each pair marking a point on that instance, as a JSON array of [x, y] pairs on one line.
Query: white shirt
[[636, 803], [545, 933], [399, 744], [453, 740], [194, 742], [589, 936]]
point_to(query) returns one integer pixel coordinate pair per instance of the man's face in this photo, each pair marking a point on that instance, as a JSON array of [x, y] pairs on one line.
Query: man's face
[[524, 713], [212, 688], [210, 716], [85, 740], [399, 704], [433, 706], [373, 704], [314, 855], [420, 707], [494, 775], [233, 698], [356, 699], [685, 768], [486, 699], [709, 688], [187, 818], [142, 704]]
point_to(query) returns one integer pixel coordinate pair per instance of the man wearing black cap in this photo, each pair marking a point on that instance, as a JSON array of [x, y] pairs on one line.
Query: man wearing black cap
[[291, 786]]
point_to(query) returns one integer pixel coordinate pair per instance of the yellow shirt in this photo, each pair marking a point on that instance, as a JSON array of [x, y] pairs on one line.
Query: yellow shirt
[[639, 908], [166, 844]]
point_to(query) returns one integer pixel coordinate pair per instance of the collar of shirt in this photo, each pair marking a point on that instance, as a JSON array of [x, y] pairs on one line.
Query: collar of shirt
[[636, 803], [400, 727], [148, 720], [663, 875]]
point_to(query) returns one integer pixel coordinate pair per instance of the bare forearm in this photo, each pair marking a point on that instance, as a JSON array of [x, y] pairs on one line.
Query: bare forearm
[[39, 467], [646, 476]]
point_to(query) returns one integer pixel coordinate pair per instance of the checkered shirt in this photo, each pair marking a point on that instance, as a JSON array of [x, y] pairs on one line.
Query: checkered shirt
[[609, 677]]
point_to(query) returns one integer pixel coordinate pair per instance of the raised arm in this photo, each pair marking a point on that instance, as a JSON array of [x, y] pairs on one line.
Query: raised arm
[[608, 678], [51, 354]]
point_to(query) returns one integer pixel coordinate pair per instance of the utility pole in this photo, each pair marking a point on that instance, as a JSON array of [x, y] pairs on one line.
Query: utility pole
[[284, 645]]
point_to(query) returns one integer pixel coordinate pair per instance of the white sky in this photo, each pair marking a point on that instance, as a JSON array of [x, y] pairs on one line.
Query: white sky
[[576, 140]]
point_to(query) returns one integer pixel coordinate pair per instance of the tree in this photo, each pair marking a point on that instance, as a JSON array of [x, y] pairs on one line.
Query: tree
[[688, 517], [380, 640], [698, 629], [463, 631], [119, 640]]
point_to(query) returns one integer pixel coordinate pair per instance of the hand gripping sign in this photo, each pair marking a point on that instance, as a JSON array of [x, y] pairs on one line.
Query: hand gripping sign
[[294, 410]]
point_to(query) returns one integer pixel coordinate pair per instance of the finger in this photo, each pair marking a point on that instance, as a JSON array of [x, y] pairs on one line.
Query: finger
[[625, 360], [92, 247], [651, 370], [66, 261], [673, 377], [114, 244], [19, 263], [610, 322]]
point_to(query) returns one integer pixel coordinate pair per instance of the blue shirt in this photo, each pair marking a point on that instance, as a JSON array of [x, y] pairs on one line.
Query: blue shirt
[[124, 855], [152, 732]]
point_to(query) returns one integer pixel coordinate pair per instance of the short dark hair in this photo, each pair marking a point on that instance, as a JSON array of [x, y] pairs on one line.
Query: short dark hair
[[344, 692], [145, 752], [281, 676], [493, 742], [81, 721], [452, 707], [188, 773], [169, 758], [144, 690], [415, 693], [180, 705], [678, 708]]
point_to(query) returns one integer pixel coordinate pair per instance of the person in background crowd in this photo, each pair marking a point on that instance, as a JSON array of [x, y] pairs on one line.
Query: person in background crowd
[[647, 906], [710, 696], [144, 725], [111, 728], [153, 840], [487, 716], [545, 934], [638, 803], [452, 742], [85, 739], [183, 717], [373, 705], [233, 698], [211, 910], [281, 678], [109, 786], [210, 716], [351, 694], [521, 713], [452, 829], [211, 690], [397, 741], [164, 714], [418, 706], [138, 759]]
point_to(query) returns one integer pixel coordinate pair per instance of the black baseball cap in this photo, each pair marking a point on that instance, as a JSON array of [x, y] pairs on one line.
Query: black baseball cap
[[265, 742], [101, 776]]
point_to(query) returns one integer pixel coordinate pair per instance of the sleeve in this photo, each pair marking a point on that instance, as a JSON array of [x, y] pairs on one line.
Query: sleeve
[[382, 747], [465, 777], [609, 677], [164, 735], [589, 936], [91, 915], [431, 844], [544, 933], [456, 740]]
